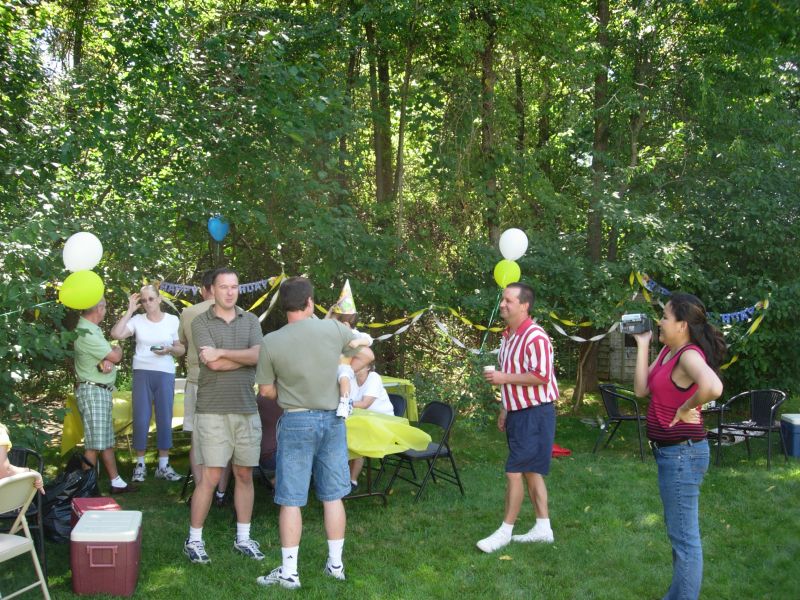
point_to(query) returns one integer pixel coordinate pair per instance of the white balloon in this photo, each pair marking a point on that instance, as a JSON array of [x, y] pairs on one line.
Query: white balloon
[[82, 252], [513, 243]]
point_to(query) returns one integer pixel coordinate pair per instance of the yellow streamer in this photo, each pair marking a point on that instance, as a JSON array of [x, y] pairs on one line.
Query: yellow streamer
[[274, 283], [169, 297], [569, 323]]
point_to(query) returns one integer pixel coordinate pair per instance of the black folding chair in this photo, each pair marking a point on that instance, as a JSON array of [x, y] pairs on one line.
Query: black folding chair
[[399, 409], [27, 458], [442, 416], [612, 396], [752, 414]]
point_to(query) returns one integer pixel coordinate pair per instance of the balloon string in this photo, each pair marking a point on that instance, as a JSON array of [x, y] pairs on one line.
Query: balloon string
[[491, 318], [27, 308]]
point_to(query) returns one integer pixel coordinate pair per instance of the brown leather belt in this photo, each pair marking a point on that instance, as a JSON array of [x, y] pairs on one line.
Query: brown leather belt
[[110, 388]]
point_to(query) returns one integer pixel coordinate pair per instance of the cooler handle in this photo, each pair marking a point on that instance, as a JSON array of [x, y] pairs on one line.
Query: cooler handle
[[90, 550]]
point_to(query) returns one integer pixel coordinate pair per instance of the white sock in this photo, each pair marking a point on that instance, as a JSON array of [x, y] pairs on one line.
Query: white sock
[[335, 548], [353, 482], [195, 534], [140, 461], [242, 531], [506, 528], [542, 525], [118, 482], [290, 559], [163, 461], [219, 494]]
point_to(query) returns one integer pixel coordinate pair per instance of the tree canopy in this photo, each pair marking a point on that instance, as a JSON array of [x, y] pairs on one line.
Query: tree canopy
[[391, 143]]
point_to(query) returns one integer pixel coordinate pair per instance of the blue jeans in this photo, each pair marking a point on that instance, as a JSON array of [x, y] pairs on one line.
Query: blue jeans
[[680, 473], [311, 442], [152, 389]]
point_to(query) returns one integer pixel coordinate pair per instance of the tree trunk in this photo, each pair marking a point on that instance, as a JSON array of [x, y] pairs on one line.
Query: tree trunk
[[381, 119], [519, 105], [488, 79], [588, 362], [601, 132], [81, 10], [543, 132], [399, 172]]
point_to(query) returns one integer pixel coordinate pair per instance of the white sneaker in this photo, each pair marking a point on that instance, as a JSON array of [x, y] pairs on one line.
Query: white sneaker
[[535, 535], [276, 577], [167, 473], [337, 572], [495, 541], [139, 473], [249, 548], [344, 409]]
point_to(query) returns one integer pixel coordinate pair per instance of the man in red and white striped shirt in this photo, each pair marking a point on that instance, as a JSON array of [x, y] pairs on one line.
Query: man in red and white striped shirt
[[528, 391]]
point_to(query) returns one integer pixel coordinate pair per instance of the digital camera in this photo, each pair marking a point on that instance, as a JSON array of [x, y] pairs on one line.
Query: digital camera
[[635, 323]]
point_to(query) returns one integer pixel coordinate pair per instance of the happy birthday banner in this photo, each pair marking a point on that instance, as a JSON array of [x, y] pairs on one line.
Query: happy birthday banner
[[739, 316], [244, 288]]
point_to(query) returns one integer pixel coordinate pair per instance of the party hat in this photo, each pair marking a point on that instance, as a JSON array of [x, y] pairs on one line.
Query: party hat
[[345, 305]]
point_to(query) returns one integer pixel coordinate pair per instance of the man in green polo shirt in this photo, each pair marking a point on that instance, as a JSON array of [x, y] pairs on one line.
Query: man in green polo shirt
[[96, 370], [227, 426]]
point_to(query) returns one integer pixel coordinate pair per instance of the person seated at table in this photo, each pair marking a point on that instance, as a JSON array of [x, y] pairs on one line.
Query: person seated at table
[[270, 412], [6, 468], [370, 395], [157, 342]]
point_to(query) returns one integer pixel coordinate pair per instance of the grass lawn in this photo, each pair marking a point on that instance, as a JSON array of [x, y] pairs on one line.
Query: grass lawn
[[605, 510]]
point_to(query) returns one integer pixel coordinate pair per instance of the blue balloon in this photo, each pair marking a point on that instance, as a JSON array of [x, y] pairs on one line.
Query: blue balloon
[[218, 228]]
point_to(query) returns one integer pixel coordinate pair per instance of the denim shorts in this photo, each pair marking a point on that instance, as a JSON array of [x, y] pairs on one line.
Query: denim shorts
[[310, 443], [531, 433]]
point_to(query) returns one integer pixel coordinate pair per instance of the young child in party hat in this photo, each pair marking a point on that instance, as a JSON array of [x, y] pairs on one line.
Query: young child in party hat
[[344, 311]]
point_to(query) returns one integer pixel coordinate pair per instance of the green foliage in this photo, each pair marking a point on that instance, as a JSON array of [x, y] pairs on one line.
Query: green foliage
[[264, 113]]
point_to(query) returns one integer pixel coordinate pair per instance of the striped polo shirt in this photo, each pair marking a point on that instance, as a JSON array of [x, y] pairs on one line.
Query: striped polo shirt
[[528, 350], [227, 392]]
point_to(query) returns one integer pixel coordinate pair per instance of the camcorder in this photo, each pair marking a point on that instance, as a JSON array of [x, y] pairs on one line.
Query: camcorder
[[635, 323]]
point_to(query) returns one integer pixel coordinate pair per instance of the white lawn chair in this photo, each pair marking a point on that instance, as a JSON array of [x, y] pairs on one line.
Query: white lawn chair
[[16, 493]]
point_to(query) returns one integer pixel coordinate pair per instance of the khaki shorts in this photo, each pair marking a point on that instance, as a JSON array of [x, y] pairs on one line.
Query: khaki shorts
[[189, 402], [220, 438]]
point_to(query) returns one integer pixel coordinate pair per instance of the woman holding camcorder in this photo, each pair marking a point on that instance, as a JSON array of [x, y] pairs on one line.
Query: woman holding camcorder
[[153, 375], [682, 379]]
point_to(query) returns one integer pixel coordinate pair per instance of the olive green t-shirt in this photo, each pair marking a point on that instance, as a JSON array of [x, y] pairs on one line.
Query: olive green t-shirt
[[188, 315], [303, 357], [90, 348], [226, 392]]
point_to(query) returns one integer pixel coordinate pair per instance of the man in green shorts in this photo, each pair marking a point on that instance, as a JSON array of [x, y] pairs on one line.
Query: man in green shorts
[[227, 426]]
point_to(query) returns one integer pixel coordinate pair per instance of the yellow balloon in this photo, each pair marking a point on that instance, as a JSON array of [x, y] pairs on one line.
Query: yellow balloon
[[506, 271], [81, 290]]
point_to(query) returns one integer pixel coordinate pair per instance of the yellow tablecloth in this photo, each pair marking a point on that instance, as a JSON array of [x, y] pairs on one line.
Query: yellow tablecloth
[[373, 434], [121, 414], [405, 388]]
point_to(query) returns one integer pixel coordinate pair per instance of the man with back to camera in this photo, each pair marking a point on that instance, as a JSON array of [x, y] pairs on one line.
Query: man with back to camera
[[528, 391], [188, 315], [226, 424], [96, 371], [297, 367]]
